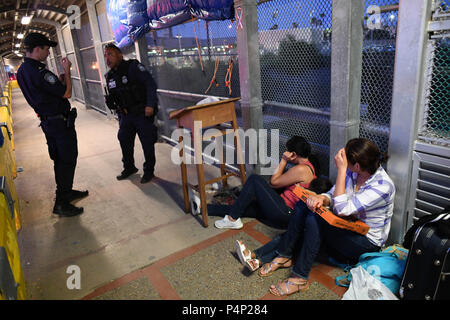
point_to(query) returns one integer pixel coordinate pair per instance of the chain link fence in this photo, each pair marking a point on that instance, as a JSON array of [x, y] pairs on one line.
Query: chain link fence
[[377, 77], [192, 61], [435, 122], [295, 48], [187, 57]]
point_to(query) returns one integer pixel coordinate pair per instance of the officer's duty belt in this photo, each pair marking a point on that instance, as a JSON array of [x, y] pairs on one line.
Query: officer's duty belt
[[58, 116]]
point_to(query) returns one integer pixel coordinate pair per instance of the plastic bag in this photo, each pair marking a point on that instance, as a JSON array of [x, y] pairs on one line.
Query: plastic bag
[[366, 287]]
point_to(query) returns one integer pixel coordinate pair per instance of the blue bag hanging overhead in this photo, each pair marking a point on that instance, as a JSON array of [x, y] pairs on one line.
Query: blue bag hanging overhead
[[132, 19], [137, 18], [117, 16]]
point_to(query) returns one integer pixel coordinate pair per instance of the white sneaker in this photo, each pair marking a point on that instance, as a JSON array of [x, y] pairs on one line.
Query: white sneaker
[[226, 223]]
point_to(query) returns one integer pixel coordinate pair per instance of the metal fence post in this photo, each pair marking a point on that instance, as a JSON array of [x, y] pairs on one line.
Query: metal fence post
[[408, 86], [140, 46], [247, 37], [346, 66], [76, 50], [52, 61], [60, 38], [95, 29]]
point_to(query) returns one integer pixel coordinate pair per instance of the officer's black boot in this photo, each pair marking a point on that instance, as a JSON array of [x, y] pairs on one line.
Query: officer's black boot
[[126, 173], [77, 195], [147, 177], [64, 208]]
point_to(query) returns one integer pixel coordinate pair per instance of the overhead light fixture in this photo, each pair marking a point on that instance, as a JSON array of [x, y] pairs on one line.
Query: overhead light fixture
[[17, 45], [19, 55], [26, 20], [16, 51], [20, 36]]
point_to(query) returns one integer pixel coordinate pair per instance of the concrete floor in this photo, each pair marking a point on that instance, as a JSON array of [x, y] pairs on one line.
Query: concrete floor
[[133, 241]]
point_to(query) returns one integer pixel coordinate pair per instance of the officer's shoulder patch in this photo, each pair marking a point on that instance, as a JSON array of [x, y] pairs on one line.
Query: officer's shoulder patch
[[50, 78], [141, 67]]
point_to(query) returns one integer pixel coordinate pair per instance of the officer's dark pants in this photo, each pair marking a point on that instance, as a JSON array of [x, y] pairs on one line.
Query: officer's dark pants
[[130, 125], [63, 150]]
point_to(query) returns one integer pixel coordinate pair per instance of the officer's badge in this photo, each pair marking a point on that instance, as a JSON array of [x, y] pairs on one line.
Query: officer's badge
[[141, 67], [50, 78], [124, 80], [112, 84]]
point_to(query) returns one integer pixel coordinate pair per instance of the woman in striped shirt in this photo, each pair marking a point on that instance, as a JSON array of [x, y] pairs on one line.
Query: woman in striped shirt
[[363, 190]]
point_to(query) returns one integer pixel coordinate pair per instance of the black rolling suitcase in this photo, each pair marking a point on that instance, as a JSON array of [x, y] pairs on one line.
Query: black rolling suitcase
[[427, 270]]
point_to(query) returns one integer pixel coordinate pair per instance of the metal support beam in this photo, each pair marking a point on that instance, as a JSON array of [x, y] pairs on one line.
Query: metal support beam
[[140, 47], [406, 101], [346, 66], [95, 29], [52, 61], [76, 48], [250, 74], [61, 44]]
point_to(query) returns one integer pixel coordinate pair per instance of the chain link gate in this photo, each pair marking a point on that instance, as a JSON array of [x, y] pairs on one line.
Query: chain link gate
[[435, 123], [430, 183], [295, 57]]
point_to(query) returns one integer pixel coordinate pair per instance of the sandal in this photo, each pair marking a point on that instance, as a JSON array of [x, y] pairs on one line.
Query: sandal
[[253, 264], [269, 270], [277, 290], [240, 248]]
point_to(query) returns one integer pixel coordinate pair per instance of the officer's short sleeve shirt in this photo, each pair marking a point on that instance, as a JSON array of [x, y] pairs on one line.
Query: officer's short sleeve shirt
[[42, 88]]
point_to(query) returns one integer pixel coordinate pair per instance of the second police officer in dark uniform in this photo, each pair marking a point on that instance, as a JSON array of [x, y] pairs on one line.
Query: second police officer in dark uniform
[[48, 96], [131, 91]]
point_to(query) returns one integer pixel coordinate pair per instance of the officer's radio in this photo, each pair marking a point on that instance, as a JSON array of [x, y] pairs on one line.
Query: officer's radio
[[109, 100]]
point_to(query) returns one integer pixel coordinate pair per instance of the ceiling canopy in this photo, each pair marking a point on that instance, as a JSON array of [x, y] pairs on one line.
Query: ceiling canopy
[[45, 16]]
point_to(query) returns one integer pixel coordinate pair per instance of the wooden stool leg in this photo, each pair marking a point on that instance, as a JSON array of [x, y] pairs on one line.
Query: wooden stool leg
[[200, 173], [187, 206], [201, 189], [238, 148], [221, 157]]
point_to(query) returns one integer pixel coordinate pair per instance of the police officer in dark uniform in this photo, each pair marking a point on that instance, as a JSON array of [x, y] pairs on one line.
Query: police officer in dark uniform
[[131, 92], [48, 96]]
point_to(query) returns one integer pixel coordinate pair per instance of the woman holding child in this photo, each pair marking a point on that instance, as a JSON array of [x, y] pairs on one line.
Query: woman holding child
[[363, 190], [259, 199]]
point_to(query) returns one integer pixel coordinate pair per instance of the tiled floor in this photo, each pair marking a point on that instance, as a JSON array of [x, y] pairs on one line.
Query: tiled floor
[[210, 270], [133, 241]]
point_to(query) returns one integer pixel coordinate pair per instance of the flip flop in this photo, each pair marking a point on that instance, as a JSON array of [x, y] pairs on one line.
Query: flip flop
[[279, 291], [252, 267], [268, 268], [240, 248]]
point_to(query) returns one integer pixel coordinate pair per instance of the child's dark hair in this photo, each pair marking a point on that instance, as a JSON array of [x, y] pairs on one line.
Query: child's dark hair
[[302, 148], [320, 185], [316, 164], [299, 145], [366, 153]]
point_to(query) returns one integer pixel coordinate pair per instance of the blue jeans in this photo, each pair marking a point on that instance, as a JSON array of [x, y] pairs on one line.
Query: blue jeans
[[303, 238], [260, 201]]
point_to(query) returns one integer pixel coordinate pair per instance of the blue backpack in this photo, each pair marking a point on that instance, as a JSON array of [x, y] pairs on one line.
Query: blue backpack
[[387, 266]]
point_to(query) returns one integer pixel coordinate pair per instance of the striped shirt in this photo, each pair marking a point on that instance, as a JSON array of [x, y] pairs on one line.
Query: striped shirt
[[373, 203]]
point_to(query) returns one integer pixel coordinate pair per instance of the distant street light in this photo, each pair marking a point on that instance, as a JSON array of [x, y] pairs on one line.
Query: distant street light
[[178, 36]]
